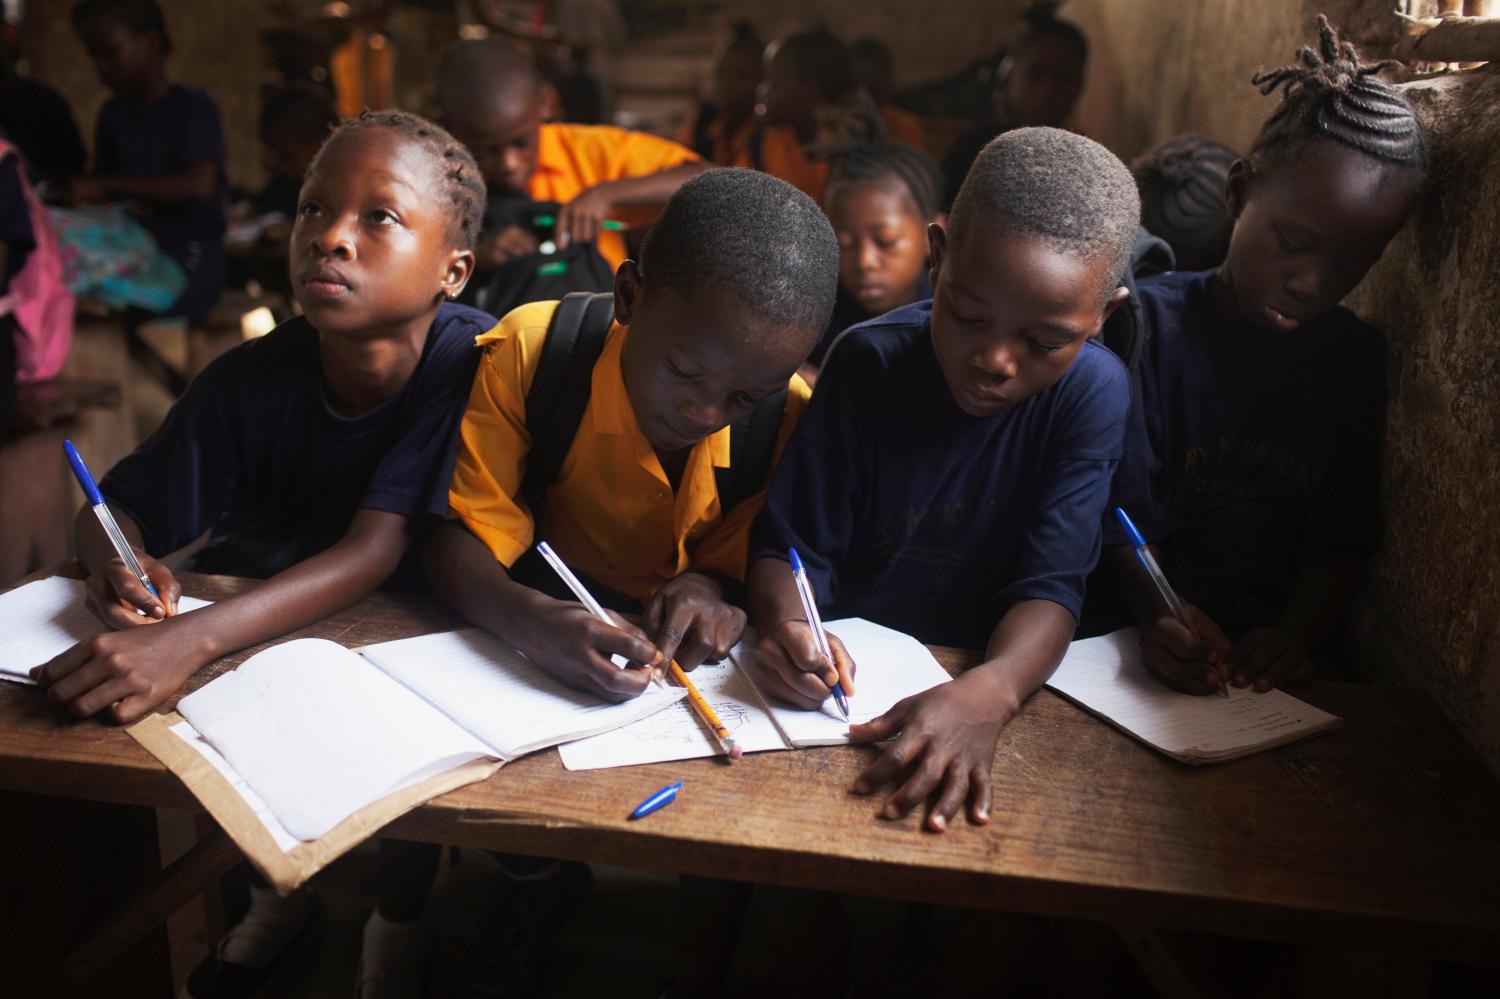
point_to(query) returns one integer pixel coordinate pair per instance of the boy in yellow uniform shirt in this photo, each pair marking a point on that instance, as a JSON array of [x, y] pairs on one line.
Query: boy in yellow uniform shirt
[[493, 100]]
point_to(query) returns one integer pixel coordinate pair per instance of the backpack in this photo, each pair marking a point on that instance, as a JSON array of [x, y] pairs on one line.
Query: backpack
[[38, 299], [560, 391], [535, 277]]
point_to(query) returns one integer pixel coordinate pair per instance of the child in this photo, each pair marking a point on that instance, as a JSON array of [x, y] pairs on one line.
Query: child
[[949, 474], [157, 143], [881, 199], [1037, 83], [806, 74], [1263, 399], [720, 127], [1182, 183], [294, 123], [874, 70], [735, 282], [491, 97]]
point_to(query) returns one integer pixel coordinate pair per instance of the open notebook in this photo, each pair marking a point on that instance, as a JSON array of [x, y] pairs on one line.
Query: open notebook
[[46, 618], [890, 666], [318, 732], [1104, 675]]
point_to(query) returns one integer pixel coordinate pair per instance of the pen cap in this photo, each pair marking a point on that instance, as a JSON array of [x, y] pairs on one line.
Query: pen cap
[[81, 473], [1130, 528], [792, 557]]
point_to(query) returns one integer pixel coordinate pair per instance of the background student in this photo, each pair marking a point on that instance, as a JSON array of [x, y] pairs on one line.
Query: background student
[[1259, 470], [808, 78], [720, 127], [1183, 183]]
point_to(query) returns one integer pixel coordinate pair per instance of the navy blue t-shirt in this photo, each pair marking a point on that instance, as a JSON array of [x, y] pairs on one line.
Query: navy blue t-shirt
[[15, 221], [909, 512], [1254, 452], [162, 138], [253, 453]]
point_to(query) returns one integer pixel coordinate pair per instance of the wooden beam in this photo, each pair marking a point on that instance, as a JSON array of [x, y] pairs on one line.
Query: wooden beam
[[1451, 39]]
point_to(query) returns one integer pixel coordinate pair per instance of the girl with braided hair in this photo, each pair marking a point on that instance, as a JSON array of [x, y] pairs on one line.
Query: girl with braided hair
[[1257, 470]]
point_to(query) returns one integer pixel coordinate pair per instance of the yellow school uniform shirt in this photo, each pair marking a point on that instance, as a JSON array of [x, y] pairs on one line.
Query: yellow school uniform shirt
[[611, 513], [781, 155], [570, 159]]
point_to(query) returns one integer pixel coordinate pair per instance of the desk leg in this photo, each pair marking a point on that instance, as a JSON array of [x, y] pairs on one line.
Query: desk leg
[[1151, 953]]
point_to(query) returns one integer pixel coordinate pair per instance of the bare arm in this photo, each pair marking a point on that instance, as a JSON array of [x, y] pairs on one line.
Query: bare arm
[[198, 182]]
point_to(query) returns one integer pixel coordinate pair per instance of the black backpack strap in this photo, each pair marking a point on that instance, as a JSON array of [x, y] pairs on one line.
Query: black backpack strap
[[703, 139], [560, 389], [752, 444]]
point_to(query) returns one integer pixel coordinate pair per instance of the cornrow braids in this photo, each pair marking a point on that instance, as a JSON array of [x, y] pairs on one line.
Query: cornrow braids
[[880, 160], [1329, 93], [1182, 183], [455, 165]]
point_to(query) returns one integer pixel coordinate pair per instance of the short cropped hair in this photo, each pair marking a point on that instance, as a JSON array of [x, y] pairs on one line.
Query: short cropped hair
[[1070, 191], [298, 111], [749, 232], [462, 185], [138, 15], [484, 69]]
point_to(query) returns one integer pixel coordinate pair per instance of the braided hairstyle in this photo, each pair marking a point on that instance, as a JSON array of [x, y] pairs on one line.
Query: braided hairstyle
[[882, 161], [1182, 183], [452, 162], [1328, 93]]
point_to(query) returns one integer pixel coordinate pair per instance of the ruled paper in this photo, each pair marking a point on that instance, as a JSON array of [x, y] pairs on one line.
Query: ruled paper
[[46, 618], [1105, 676]]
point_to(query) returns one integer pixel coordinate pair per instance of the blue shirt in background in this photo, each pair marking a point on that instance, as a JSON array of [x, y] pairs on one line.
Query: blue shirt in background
[[909, 512], [1255, 452], [253, 453], [163, 138]]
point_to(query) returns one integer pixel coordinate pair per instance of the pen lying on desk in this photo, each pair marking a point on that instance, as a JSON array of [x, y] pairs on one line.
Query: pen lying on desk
[[700, 705], [1148, 562]]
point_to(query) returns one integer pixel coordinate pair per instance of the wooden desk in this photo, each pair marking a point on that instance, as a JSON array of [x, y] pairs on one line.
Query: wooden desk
[[1384, 833]]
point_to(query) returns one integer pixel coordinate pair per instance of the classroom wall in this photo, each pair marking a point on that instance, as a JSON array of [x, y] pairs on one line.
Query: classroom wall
[[1426, 616]]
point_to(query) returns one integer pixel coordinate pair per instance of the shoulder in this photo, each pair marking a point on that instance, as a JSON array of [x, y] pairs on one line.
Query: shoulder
[[513, 346], [191, 98], [1097, 372], [455, 331], [281, 361], [883, 343]]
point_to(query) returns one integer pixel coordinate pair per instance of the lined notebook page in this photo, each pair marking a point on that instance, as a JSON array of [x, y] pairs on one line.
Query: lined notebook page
[[46, 618], [889, 666], [1105, 676], [318, 734], [677, 733], [502, 697]]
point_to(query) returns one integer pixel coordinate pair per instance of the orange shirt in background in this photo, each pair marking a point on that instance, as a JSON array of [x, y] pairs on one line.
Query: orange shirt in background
[[902, 126], [728, 147], [780, 154], [573, 158]]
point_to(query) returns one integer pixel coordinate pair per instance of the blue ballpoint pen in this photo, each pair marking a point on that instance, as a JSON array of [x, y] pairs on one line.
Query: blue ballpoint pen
[[106, 519], [661, 799], [1148, 562], [810, 609]]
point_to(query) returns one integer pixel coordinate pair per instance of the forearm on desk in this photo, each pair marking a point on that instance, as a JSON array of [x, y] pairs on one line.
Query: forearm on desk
[[1022, 652], [467, 575], [773, 594]]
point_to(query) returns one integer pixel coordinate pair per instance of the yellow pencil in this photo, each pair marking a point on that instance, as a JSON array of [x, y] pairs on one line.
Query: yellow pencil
[[706, 712]]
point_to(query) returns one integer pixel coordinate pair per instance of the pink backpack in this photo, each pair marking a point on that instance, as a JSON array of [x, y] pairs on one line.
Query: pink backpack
[[39, 297]]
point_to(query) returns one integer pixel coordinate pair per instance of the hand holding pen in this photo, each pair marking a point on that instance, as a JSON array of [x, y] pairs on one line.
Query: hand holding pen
[[1186, 650]]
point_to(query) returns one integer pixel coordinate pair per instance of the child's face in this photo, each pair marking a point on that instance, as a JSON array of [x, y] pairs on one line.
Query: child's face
[[737, 76], [125, 60], [1009, 314], [882, 244], [503, 138], [790, 98], [370, 248], [693, 366], [1306, 233], [1041, 84]]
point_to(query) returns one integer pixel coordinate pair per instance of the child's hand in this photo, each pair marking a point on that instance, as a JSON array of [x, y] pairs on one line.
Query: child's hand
[[126, 672], [1269, 657], [497, 248], [946, 744], [579, 220], [119, 599], [1190, 661], [793, 670], [692, 622], [573, 645]]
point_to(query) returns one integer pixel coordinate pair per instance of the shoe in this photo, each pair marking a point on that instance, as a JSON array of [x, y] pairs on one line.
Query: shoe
[[393, 960], [256, 947]]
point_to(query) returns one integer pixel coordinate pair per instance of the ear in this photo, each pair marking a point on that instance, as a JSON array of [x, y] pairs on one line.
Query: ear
[[629, 291], [460, 268], [1114, 301], [937, 249], [1237, 186]]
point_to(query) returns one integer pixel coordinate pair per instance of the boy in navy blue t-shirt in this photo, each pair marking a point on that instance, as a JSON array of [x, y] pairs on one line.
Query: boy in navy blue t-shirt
[[157, 144], [1256, 467], [314, 455], [950, 472]]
